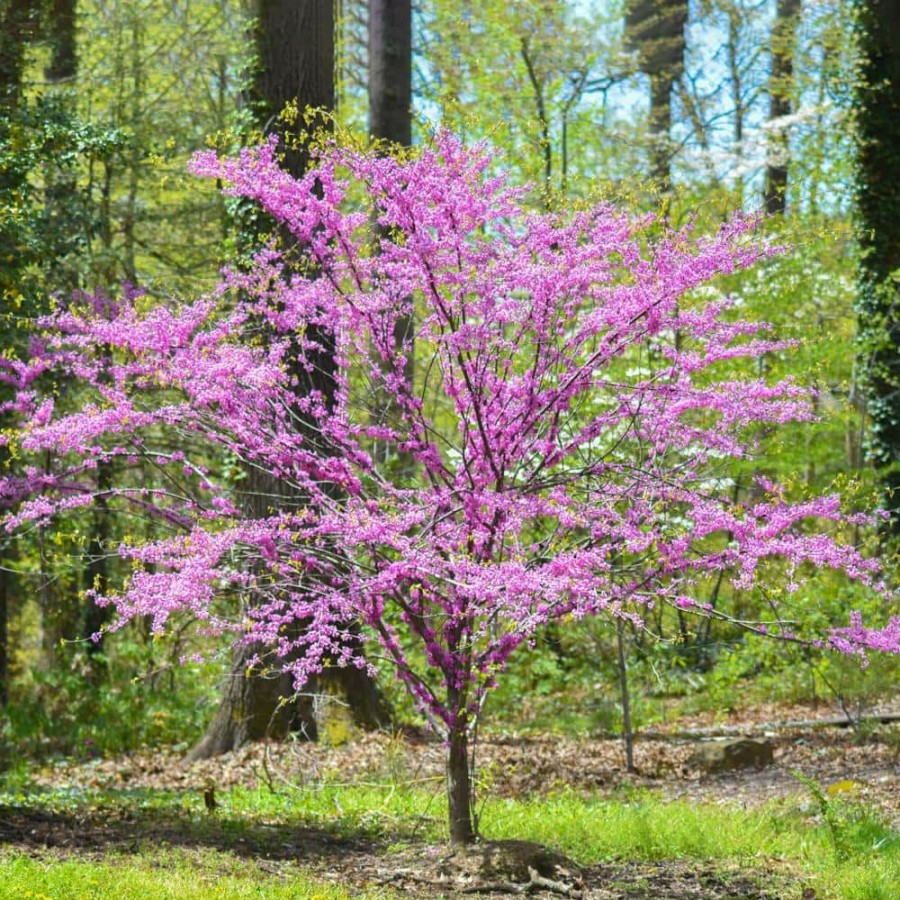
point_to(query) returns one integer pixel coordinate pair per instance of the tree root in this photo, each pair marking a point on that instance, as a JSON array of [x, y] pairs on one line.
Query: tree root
[[536, 882]]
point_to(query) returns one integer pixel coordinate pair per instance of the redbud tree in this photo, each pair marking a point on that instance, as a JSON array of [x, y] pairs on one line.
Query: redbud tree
[[566, 430]]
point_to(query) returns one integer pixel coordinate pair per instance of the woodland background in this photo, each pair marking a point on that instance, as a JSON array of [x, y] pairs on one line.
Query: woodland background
[[705, 109], [689, 110]]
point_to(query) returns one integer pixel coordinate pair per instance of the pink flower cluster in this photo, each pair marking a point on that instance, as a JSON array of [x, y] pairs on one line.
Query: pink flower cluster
[[568, 421]]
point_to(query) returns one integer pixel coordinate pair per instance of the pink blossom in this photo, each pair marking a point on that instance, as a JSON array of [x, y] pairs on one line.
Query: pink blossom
[[549, 475]]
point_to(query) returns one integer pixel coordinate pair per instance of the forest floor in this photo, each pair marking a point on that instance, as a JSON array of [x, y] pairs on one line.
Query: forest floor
[[858, 765], [862, 762]]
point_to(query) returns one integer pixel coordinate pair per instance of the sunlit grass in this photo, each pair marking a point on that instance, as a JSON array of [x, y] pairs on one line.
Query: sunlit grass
[[160, 875], [632, 826]]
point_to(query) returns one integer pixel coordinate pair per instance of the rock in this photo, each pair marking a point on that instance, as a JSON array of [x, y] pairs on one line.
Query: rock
[[726, 756]]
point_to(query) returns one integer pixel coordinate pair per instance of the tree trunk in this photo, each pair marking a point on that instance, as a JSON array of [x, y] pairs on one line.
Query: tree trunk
[[390, 70], [253, 708], [878, 177], [6, 578], [627, 731], [459, 788], [780, 87], [390, 119], [294, 42], [295, 64], [96, 571], [654, 29], [660, 127], [16, 20], [63, 64]]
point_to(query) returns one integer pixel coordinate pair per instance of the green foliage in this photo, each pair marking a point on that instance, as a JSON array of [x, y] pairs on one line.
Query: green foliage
[[542, 68], [46, 224], [834, 814], [146, 699], [878, 169]]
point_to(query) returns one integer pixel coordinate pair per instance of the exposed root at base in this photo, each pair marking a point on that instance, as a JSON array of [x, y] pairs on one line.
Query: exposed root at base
[[510, 867], [536, 882]]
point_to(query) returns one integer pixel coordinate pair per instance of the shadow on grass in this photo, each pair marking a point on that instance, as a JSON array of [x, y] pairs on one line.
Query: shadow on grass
[[95, 830], [78, 829]]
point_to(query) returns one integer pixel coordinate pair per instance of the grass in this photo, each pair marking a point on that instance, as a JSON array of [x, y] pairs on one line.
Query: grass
[[645, 828], [231, 854], [171, 875]]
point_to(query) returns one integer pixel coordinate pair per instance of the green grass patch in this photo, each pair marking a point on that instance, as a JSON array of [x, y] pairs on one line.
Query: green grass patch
[[850, 855], [158, 875], [642, 827]]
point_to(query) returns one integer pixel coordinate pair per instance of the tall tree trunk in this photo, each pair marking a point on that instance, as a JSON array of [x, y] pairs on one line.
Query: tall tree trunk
[[459, 777], [878, 178], [59, 196], [63, 65], [96, 572], [295, 65], [6, 583], [17, 18], [390, 70], [660, 128], [780, 89], [253, 708], [294, 42], [390, 119], [654, 29], [627, 730]]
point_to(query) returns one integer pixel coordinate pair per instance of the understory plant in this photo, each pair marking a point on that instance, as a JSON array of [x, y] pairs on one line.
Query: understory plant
[[559, 449]]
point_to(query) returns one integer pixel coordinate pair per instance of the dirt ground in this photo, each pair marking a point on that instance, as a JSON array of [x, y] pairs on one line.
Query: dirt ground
[[864, 765]]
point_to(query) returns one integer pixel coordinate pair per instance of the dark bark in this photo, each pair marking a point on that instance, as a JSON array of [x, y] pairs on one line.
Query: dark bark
[[390, 120], [263, 705], [6, 578], [295, 65], [660, 126], [654, 29], [63, 64], [780, 89], [459, 788], [16, 25], [17, 19], [253, 708], [390, 70], [97, 569], [294, 42], [627, 730], [878, 178], [14, 20]]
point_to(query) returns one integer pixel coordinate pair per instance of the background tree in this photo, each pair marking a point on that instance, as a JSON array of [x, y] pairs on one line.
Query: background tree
[[655, 30], [88, 163], [878, 199], [390, 71], [781, 88], [63, 64], [545, 69], [293, 71], [14, 20]]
